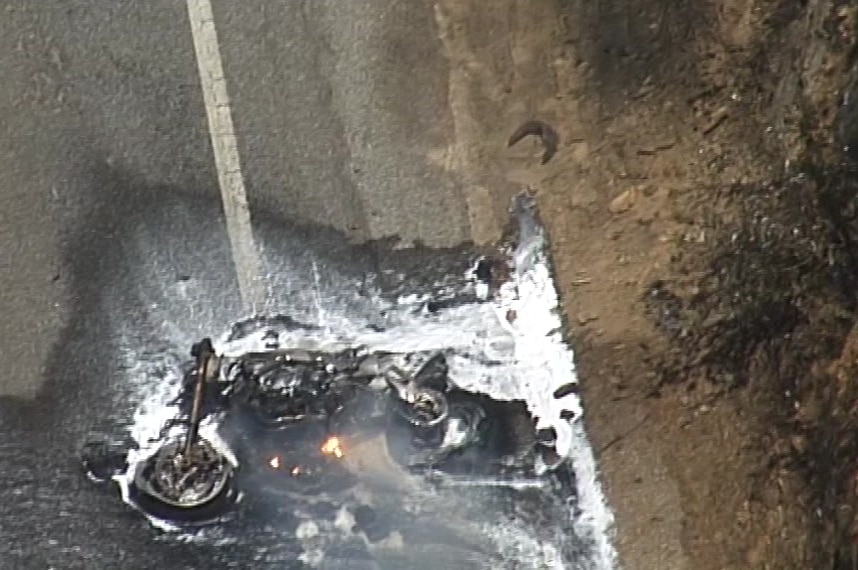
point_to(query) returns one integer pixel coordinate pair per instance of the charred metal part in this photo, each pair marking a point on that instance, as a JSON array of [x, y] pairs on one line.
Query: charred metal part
[[101, 461], [549, 137], [401, 383], [272, 340], [460, 429], [287, 386], [428, 409], [374, 364], [568, 415], [434, 373], [546, 436], [204, 354], [483, 271], [276, 322], [565, 390]]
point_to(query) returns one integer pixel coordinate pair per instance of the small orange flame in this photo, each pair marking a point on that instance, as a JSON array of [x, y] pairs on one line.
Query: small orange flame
[[274, 462], [332, 447]]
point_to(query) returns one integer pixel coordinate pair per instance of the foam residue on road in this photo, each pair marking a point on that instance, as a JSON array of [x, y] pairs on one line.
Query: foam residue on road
[[546, 363], [518, 330]]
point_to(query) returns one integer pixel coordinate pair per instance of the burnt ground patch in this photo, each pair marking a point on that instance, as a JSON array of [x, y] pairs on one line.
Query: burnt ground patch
[[630, 44], [766, 304], [781, 267]]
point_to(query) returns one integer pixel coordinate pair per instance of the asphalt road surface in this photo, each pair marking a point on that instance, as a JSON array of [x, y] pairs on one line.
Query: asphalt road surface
[[337, 107], [112, 229]]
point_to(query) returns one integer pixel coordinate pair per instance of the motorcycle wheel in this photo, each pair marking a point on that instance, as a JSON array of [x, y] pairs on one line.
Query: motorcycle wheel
[[197, 487], [454, 428]]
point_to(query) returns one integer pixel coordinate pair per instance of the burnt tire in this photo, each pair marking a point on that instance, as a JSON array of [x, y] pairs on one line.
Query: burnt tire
[[185, 490]]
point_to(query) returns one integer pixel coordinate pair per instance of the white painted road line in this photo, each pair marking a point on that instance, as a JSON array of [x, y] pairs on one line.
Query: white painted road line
[[225, 145]]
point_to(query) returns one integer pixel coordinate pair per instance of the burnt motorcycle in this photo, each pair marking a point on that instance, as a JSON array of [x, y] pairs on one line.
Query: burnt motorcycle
[[287, 417]]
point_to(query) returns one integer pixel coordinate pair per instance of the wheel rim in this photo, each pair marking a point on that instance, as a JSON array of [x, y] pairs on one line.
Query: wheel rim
[[185, 480]]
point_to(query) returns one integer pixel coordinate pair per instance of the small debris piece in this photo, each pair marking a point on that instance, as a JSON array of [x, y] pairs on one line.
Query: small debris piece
[[550, 138], [550, 457], [656, 148], [623, 202], [483, 272], [546, 436], [718, 117], [565, 390]]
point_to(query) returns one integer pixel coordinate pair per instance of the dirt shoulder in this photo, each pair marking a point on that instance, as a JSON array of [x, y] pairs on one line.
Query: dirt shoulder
[[706, 283]]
